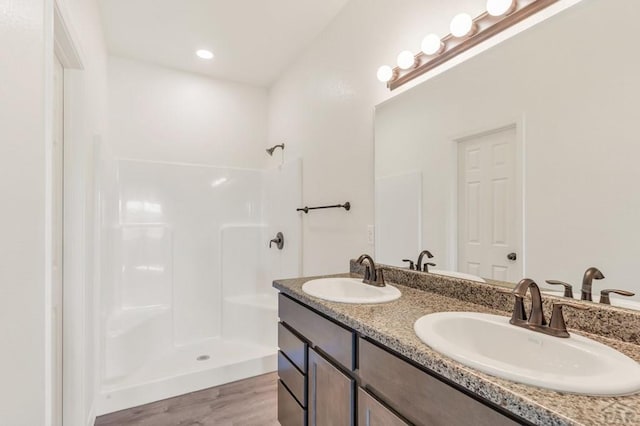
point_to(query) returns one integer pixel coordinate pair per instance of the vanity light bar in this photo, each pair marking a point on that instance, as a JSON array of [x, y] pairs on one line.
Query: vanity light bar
[[482, 28]]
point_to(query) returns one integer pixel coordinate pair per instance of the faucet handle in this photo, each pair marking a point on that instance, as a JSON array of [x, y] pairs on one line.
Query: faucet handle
[[568, 288], [412, 265], [367, 274], [425, 267], [379, 278], [557, 325], [604, 295]]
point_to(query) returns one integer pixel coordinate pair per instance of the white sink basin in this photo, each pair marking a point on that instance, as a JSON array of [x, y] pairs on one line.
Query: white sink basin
[[350, 290], [490, 344], [460, 275], [619, 301]]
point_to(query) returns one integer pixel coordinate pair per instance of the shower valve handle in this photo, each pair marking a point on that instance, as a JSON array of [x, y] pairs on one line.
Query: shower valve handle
[[278, 240]]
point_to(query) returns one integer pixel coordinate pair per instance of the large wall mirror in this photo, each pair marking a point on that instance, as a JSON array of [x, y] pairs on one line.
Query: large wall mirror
[[524, 160]]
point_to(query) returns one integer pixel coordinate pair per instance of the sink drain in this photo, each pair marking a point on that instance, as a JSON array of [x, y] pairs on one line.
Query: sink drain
[[203, 358]]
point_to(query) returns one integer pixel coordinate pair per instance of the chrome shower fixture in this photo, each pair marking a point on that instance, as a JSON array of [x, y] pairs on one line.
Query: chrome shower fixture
[[273, 148]]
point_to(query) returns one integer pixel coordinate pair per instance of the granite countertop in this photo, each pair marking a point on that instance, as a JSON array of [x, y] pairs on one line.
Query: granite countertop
[[391, 324]]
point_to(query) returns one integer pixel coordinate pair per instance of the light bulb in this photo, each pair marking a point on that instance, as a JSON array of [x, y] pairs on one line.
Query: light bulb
[[406, 60], [500, 7], [385, 73], [461, 25], [432, 44], [204, 54]]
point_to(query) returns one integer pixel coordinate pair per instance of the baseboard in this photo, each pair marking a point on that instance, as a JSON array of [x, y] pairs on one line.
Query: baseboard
[[91, 418]]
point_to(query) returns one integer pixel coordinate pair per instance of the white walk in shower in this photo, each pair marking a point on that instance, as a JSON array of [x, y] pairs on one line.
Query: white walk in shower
[[186, 297]]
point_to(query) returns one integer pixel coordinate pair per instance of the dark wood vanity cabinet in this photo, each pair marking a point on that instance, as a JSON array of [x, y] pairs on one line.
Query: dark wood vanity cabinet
[[372, 412], [320, 386], [331, 393], [418, 395]]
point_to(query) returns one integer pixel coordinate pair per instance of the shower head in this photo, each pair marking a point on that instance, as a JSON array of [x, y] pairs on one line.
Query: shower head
[[273, 148]]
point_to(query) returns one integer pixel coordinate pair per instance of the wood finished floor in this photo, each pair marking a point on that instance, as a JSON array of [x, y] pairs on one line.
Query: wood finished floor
[[250, 402]]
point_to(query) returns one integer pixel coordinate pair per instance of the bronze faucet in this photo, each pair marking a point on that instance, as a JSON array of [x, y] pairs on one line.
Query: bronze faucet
[[372, 275], [586, 292], [557, 326], [536, 316], [590, 274], [568, 288], [604, 295], [536, 320], [419, 266], [412, 266]]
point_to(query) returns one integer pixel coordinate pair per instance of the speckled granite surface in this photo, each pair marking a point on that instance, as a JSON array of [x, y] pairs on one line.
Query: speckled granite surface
[[604, 320], [391, 324]]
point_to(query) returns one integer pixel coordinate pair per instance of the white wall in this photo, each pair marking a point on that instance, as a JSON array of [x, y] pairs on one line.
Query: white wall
[[580, 140], [323, 107], [156, 113], [24, 53], [25, 111]]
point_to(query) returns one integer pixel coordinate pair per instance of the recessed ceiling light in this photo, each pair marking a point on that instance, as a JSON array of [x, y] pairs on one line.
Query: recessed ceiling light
[[204, 54]]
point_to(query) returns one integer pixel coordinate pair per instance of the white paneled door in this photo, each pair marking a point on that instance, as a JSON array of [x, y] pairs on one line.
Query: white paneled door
[[489, 223], [56, 241]]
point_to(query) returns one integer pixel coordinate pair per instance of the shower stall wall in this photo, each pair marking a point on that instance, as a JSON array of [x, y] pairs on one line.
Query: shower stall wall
[[186, 294]]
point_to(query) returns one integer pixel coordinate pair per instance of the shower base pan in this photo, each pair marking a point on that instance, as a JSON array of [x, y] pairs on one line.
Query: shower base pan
[[187, 369]]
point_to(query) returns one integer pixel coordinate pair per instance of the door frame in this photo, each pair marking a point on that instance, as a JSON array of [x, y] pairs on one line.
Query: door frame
[[64, 45], [520, 185]]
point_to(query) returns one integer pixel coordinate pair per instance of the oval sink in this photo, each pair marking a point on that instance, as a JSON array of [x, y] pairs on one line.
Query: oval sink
[[618, 301], [490, 344], [350, 290], [460, 275]]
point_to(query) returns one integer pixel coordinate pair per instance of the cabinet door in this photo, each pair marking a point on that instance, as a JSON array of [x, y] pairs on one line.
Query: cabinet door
[[373, 413], [331, 394]]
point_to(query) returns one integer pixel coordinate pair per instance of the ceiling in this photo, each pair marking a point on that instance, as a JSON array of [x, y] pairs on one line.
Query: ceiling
[[253, 40]]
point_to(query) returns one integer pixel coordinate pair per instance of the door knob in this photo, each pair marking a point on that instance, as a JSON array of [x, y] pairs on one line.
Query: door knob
[[512, 256]]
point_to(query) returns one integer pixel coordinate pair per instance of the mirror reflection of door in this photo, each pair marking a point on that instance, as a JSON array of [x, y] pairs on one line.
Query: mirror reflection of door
[[488, 225]]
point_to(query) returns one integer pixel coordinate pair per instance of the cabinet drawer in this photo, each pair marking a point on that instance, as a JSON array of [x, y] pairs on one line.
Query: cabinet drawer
[[292, 378], [293, 347], [373, 413], [420, 397], [290, 413], [333, 339]]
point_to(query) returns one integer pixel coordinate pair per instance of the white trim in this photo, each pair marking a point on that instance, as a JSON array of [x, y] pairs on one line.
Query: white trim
[[521, 166], [62, 42], [48, 105], [65, 38], [91, 417]]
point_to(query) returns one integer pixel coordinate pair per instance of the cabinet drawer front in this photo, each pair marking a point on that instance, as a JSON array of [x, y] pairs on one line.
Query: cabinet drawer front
[[334, 340], [292, 378], [331, 397], [290, 413], [420, 397], [293, 347], [373, 413]]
